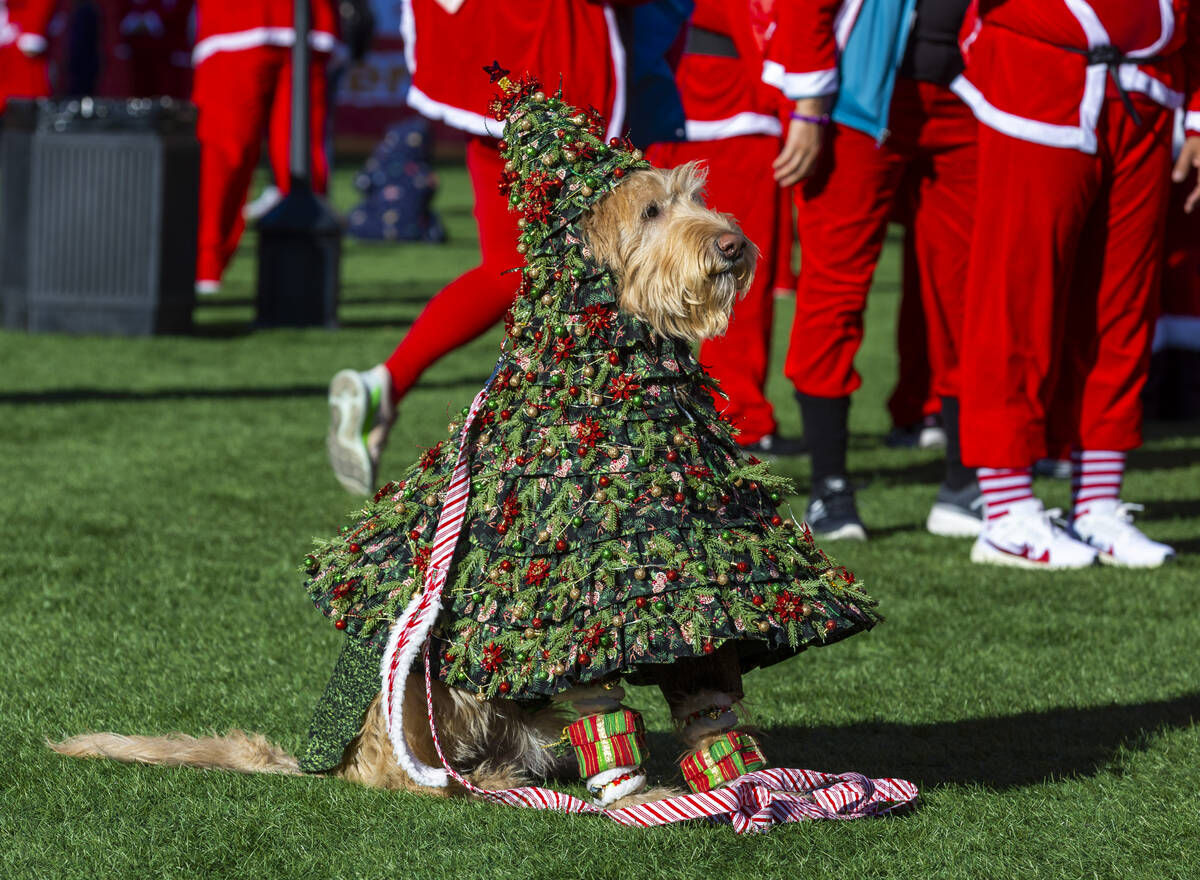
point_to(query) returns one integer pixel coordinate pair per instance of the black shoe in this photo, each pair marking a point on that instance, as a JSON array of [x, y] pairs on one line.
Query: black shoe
[[957, 513], [831, 512], [925, 434], [772, 445]]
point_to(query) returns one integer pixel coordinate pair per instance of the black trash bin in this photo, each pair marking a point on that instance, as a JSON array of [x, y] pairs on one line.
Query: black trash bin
[[98, 204]]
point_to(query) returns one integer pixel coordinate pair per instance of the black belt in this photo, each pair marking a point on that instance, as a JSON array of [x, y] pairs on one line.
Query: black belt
[[701, 41], [1112, 58]]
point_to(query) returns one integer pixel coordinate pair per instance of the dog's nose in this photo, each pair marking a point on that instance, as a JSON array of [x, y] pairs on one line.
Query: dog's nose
[[731, 245]]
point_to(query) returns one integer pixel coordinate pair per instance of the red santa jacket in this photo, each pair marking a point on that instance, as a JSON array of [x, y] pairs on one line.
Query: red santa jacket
[[575, 41], [1026, 74], [235, 25], [725, 96], [804, 65], [25, 22]]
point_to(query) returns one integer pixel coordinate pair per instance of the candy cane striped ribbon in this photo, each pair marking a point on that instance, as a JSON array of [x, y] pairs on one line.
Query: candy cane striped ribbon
[[754, 802]]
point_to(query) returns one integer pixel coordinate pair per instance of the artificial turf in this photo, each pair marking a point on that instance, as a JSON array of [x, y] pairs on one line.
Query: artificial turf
[[157, 495]]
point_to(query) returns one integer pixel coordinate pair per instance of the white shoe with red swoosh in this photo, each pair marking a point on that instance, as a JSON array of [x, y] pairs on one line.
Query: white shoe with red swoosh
[[1027, 537], [1108, 527]]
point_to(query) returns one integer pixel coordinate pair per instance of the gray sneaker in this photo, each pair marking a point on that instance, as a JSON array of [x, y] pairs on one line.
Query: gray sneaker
[[361, 413], [832, 513], [957, 513]]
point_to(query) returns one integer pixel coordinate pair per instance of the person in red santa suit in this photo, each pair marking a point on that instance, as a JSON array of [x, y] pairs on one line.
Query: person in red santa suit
[[242, 86], [1075, 103], [448, 43], [733, 124], [874, 124], [23, 44]]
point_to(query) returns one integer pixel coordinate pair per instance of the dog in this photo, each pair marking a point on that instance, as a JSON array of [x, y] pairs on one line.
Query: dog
[[680, 268]]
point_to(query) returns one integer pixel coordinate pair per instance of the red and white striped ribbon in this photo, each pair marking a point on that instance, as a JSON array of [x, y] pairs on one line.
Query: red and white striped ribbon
[[753, 802]]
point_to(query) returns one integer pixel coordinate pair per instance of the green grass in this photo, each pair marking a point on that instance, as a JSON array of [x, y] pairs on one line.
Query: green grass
[[157, 494]]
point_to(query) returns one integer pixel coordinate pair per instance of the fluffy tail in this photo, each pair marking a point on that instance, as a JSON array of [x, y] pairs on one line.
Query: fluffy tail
[[237, 750]]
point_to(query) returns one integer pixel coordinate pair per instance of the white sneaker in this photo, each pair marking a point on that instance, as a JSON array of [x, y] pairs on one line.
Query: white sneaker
[[1026, 537], [1108, 527], [208, 287], [260, 207], [361, 413]]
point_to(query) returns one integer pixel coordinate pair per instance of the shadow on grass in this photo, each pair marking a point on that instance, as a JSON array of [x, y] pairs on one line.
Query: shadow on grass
[[92, 395], [999, 753]]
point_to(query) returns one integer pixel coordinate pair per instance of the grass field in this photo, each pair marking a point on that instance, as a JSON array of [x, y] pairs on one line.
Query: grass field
[[157, 495]]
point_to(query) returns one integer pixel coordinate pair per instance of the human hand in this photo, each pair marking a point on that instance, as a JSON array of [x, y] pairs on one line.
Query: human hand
[[1189, 158], [802, 144]]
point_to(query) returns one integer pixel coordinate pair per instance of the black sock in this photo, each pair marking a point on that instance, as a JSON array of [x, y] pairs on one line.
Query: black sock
[[957, 476], [826, 433]]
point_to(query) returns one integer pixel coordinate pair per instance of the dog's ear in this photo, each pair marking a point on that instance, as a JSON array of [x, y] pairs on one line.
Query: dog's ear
[[602, 231]]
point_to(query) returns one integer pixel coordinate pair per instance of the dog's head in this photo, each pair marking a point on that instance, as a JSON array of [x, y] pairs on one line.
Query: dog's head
[[680, 266]]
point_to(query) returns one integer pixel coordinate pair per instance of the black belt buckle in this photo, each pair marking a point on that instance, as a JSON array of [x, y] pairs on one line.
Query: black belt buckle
[[701, 41]]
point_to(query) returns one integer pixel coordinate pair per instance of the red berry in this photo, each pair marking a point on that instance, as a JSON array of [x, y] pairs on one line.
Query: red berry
[[830, 625], [537, 335], [506, 565], [614, 142], [757, 600], [640, 601], [776, 520], [708, 647], [560, 545], [536, 623], [678, 497], [618, 173], [354, 548], [530, 375], [414, 534], [672, 574], [743, 567], [613, 357], [558, 274], [546, 654], [502, 528], [339, 624], [573, 391], [584, 659], [672, 455], [725, 499], [604, 482], [504, 687], [502, 146]]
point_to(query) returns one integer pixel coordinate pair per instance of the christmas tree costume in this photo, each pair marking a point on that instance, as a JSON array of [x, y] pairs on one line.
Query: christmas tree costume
[[612, 525]]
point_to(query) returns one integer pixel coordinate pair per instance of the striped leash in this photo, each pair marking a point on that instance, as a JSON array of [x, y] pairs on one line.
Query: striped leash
[[754, 802]]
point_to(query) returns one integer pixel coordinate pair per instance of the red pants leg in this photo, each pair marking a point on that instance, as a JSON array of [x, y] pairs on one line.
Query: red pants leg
[[913, 396], [842, 214], [473, 302], [22, 76], [1113, 299], [279, 139], [738, 359], [232, 93], [1033, 202]]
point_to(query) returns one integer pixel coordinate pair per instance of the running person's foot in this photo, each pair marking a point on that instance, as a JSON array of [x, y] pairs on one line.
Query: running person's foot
[[1028, 537], [832, 513], [1108, 527], [361, 413]]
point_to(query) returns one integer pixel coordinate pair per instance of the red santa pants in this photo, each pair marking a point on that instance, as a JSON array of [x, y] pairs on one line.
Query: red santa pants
[[842, 216], [22, 76], [238, 96], [1061, 293], [739, 185], [475, 301]]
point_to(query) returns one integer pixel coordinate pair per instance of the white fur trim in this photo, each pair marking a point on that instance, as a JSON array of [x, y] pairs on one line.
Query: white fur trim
[[843, 22], [740, 124], [453, 116], [616, 114], [800, 85], [393, 703], [281, 37], [32, 44], [1069, 136], [607, 792], [1134, 79]]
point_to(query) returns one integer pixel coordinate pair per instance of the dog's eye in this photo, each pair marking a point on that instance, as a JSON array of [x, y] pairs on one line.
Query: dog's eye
[[650, 213]]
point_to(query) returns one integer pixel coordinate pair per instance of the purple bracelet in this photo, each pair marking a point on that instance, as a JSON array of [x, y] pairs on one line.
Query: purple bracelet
[[816, 120]]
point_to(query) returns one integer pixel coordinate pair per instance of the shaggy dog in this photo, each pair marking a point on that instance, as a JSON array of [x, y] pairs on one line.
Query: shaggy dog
[[680, 268]]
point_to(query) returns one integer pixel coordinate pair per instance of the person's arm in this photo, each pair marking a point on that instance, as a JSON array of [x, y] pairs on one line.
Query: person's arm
[[1189, 157], [34, 22], [801, 61]]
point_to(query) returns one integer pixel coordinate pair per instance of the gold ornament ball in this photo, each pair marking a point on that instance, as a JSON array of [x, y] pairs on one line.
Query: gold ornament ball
[[639, 573], [531, 411], [549, 452], [570, 155], [723, 579], [525, 124], [763, 626], [510, 166], [589, 371], [585, 191], [513, 381], [679, 439], [543, 536], [401, 509], [574, 594], [430, 500], [539, 97], [480, 697], [580, 330], [529, 632], [656, 491], [637, 155], [522, 247], [595, 400], [578, 119], [547, 299], [602, 496]]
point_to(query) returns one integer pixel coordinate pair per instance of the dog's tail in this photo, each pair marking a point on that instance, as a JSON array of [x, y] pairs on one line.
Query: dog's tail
[[237, 750]]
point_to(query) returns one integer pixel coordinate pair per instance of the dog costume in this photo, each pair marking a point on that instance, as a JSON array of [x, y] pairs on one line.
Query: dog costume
[[611, 523]]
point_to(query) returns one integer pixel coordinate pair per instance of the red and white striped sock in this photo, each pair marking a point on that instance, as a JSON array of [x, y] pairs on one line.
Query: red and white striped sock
[[1095, 476], [1004, 487]]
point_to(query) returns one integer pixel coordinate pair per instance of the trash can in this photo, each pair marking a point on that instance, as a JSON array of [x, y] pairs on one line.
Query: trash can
[[98, 203]]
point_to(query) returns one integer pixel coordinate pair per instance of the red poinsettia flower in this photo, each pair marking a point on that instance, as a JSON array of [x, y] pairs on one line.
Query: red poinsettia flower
[[563, 346], [597, 318], [538, 571], [421, 559], [622, 387], [431, 455], [589, 432], [493, 657], [697, 470]]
